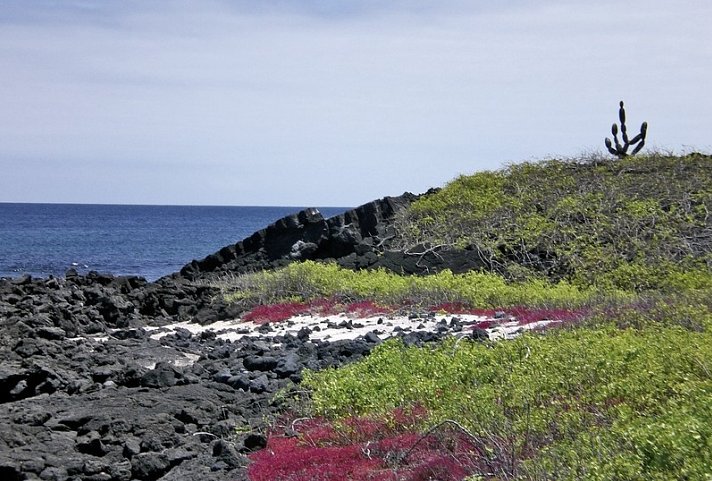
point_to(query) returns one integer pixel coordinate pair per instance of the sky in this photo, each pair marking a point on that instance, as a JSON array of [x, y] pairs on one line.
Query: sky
[[330, 102]]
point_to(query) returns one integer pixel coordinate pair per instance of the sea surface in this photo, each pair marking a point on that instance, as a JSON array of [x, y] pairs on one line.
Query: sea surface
[[148, 241]]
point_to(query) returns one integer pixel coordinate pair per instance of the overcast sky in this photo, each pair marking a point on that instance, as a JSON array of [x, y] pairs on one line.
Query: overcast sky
[[330, 102]]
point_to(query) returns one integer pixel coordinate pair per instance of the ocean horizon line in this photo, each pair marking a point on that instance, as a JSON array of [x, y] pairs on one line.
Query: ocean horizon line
[[177, 205]]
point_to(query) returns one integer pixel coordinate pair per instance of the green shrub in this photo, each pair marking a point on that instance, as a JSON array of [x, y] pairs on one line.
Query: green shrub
[[637, 223], [574, 404]]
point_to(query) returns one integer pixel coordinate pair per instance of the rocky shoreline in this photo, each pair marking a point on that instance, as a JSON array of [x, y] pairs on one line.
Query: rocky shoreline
[[89, 392], [357, 239]]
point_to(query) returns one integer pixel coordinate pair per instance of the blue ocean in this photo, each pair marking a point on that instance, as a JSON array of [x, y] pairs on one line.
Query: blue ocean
[[148, 241]]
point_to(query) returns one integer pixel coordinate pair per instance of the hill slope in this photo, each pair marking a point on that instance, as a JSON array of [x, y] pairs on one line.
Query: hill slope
[[637, 223]]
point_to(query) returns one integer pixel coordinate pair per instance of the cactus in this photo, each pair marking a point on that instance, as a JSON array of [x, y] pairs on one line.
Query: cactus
[[621, 150]]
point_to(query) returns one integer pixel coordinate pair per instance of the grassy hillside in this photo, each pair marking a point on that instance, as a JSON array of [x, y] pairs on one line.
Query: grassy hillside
[[553, 233], [637, 223]]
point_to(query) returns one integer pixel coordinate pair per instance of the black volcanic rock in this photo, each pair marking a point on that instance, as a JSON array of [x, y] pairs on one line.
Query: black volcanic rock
[[360, 238], [260, 363], [354, 237]]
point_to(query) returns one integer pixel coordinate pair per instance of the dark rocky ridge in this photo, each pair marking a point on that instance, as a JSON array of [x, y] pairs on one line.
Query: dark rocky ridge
[[357, 239], [353, 238]]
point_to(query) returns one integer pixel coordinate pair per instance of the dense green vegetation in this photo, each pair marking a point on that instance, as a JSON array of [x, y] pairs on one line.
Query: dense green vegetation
[[637, 223], [598, 404]]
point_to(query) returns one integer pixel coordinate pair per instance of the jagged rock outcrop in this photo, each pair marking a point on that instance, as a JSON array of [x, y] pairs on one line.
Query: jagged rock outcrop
[[354, 239], [357, 239]]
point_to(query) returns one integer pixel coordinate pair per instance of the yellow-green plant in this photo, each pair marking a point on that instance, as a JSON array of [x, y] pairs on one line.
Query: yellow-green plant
[[311, 280], [595, 404]]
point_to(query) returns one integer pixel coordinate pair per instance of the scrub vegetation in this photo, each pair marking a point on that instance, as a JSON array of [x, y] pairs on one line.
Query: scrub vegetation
[[309, 281], [601, 403], [641, 222], [622, 391]]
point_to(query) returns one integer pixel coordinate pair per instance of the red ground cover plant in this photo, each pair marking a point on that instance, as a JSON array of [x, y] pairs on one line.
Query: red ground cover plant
[[527, 315], [326, 307], [487, 323], [358, 309], [460, 308], [521, 314], [366, 449], [275, 312], [366, 309], [265, 314]]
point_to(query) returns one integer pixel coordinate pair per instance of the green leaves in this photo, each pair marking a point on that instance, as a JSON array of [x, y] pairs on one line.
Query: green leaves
[[573, 404]]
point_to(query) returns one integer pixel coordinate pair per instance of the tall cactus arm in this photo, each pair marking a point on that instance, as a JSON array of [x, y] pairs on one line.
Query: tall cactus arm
[[641, 138], [642, 134], [621, 113], [619, 147]]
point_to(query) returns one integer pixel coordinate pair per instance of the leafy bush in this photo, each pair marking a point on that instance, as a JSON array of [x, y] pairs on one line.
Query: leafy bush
[[634, 224], [599, 403]]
